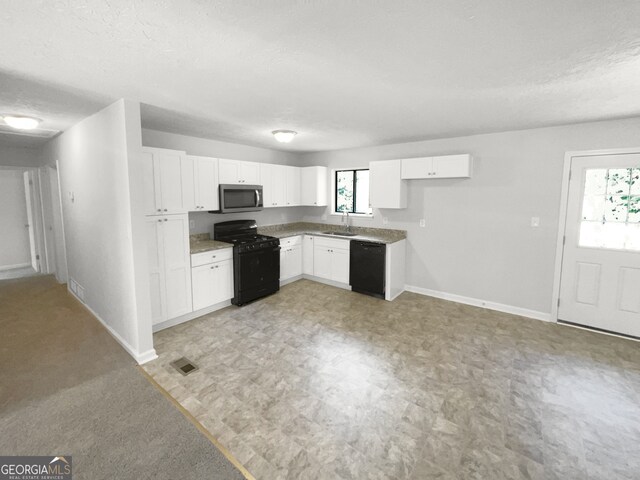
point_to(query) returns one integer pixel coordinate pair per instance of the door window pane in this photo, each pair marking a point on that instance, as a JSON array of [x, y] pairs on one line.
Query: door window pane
[[611, 209]]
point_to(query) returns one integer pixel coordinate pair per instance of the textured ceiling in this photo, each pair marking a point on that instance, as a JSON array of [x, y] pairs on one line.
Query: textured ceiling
[[341, 73]]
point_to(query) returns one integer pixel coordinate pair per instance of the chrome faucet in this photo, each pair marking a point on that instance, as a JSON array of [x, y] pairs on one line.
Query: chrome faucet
[[347, 227]]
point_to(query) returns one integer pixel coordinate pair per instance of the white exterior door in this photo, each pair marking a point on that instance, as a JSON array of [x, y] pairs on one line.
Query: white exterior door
[[600, 279]]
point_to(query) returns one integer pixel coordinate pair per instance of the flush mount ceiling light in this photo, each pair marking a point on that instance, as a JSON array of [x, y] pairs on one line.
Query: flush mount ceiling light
[[21, 122], [284, 136]]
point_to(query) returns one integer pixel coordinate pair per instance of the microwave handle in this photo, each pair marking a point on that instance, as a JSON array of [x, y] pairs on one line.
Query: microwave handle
[[257, 197]]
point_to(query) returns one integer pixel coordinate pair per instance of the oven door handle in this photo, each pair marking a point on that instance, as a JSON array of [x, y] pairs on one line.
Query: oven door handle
[[257, 197]]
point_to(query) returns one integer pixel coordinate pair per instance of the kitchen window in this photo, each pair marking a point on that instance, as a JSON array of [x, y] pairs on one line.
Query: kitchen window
[[351, 192]]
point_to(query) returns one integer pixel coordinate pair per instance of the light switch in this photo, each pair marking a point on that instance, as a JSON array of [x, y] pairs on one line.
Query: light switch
[[535, 222], [423, 223]]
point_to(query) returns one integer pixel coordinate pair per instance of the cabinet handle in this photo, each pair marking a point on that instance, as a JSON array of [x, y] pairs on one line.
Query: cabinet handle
[[165, 209], [165, 219], [160, 220], [159, 209]]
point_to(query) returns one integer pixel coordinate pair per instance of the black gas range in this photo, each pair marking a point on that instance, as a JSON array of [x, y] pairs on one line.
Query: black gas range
[[256, 260]]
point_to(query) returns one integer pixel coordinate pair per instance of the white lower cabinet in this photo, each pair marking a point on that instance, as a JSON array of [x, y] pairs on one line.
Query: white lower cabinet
[[307, 254], [290, 257], [169, 266], [212, 283], [331, 259]]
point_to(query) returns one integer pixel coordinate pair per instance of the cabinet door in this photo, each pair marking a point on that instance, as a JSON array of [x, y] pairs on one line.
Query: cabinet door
[[295, 261], [169, 167], [202, 280], [452, 166], [156, 269], [250, 173], [414, 168], [292, 175], [340, 265], [322, 262], [307, 255], [279, 184], [313, 186], [387, 189], [177, 264], [222, 281], [207, 197], [283, 264], [266, 174], [189, 187], [151, 186], [228, 171]]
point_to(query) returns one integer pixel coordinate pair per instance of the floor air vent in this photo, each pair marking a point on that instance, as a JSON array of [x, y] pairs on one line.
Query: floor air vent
[[184, 366]]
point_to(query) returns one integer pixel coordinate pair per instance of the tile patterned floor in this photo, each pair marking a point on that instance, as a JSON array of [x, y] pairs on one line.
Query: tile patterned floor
[[321, 383]]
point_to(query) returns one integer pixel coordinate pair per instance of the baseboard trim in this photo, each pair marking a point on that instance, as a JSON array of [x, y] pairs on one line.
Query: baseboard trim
[[14, 267], [332, 283], [290, 280], [499, 307], [190, 316], [140, 358]]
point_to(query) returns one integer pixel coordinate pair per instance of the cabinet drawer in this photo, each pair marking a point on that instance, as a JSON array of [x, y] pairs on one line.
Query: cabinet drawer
[[291, 241], [198, 259], [331, 243]]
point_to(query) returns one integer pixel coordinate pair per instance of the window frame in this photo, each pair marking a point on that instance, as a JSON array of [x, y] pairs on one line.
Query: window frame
[[334, 210]]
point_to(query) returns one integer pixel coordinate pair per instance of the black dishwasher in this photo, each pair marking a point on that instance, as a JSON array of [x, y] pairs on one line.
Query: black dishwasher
[[367, 268]]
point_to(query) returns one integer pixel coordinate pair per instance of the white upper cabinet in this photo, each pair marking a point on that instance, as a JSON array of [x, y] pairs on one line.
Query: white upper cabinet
[[163, 186], [292, 178], [237, 171], [386, 187], [273, 185], [201, 193], [444, 166], [313, 186]]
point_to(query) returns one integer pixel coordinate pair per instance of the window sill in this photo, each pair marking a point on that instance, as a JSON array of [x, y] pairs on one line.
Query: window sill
[[354, 215]]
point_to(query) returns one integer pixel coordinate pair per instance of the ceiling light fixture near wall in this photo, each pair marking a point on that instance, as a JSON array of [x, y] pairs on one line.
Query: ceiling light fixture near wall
[[284, 136], [21, 122]]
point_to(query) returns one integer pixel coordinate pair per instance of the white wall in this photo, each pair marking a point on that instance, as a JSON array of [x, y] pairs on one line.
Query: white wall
[[203, 221], [93, 157], [18, 156], [478, 241], [14, 237]]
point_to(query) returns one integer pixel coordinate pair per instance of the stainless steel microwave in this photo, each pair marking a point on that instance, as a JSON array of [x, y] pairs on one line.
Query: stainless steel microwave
[[240, 198]]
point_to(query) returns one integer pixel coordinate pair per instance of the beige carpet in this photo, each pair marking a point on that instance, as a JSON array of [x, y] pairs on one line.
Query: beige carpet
[[67, 388]]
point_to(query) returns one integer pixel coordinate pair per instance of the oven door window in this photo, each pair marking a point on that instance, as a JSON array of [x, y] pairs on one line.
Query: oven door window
[[239, 198]]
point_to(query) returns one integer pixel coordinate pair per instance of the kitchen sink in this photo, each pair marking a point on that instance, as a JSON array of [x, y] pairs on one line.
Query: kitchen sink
[[340, 234]]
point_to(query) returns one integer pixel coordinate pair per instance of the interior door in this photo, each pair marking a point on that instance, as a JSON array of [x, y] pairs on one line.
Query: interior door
[[600, 279], [30, 198]]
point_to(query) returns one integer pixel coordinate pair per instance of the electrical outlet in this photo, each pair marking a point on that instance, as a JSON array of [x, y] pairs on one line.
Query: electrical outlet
[[535, 222], [385, 220], [423, 223]]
